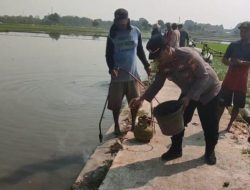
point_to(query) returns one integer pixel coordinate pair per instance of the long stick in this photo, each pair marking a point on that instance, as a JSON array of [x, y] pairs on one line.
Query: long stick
[[137, 81], [100, 122]]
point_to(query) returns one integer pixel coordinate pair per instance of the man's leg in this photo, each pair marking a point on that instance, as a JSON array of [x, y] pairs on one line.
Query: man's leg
[[234, 114], [116, 114], [221, 109], [116, 94], [133, 118], [239, 101], [133, 91], [225, 99], [189, 111], [175, 151], [210, 123]]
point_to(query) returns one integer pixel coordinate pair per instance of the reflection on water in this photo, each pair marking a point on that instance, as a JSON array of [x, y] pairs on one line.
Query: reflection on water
[[51, 97], [45, 166], [54, 35]]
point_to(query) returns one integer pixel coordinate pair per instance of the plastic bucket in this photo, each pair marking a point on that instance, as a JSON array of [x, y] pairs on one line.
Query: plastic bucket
[[169, 116]]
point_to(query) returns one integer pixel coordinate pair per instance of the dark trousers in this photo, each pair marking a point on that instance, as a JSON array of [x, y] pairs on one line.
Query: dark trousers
[[209, 121]]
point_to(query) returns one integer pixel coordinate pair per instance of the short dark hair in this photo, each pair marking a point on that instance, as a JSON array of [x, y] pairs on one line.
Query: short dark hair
[[245, 24], [180, 26], [121, 14], [168, 24], [174, 26]]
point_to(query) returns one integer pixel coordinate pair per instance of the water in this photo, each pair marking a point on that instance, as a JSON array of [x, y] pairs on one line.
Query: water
[[51, 96]]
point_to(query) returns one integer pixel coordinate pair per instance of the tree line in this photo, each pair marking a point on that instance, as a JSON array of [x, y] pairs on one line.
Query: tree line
[[143, 24]]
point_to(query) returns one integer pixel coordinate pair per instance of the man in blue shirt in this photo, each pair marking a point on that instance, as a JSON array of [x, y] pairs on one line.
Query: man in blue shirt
[[235, 84], [124, 44]]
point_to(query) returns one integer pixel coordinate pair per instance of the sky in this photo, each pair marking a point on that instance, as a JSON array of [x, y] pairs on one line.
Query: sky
[[226, 12]]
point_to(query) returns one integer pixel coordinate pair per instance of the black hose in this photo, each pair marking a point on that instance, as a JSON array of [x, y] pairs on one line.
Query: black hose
[[100, 122]]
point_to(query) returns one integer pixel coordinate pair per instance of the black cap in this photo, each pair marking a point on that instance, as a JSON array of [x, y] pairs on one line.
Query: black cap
[[244, 25], [121, 14], [154, 46]]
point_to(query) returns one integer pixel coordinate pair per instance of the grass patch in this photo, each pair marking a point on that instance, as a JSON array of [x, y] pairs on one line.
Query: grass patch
[[219, 67], [217, 46], [217, 64]]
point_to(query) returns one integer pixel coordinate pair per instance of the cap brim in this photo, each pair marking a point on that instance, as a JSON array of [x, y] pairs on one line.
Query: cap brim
[[241, 27], [153, 55], [121, 17]]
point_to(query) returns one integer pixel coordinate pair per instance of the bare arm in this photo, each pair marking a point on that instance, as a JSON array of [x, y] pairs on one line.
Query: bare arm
[[235, 62], [109, 54], [242, 62]]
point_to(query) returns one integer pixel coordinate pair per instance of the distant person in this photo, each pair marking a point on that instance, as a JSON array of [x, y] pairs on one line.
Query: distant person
[[184, 38], [168, 33], [199, 86], [124, 44], [175, 37], [172, 38], [156, 29], [234, 86]]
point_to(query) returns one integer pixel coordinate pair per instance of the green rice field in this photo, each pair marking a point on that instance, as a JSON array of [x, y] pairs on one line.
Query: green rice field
[[219, 49]]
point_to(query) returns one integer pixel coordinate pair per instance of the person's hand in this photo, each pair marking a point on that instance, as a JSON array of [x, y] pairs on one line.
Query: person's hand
[[114, 73], [148, 70], [185, 101], [239, 62], [135, 103]]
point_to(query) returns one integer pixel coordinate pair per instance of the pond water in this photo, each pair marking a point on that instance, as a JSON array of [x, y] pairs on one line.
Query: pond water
[[52, 92]]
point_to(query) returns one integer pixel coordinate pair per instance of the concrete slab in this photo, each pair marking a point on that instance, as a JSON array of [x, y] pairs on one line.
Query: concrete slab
[[100, 161], [138, 166]]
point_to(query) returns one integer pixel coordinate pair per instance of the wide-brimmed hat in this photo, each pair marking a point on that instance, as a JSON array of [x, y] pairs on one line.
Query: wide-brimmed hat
[[155, 45], [245, 24]]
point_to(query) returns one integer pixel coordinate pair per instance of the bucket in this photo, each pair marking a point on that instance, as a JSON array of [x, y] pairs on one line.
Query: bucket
[[169, 116]]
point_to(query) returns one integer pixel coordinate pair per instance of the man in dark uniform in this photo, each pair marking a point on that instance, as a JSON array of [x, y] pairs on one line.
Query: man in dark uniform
[[184, 38], [199, 86]]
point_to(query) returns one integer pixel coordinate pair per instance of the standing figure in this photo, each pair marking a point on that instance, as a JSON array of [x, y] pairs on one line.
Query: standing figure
[[184, 38], [124, 44], [199, 86], [234, 86], [156, 29]]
